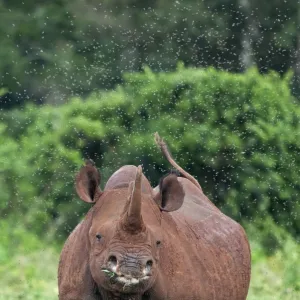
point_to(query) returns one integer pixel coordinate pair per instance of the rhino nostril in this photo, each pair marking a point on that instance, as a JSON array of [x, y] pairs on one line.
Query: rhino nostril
[[148, 267], [113, 260], [149, 263]]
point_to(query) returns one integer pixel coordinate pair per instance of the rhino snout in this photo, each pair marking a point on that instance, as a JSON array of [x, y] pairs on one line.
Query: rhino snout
[[130, 265]]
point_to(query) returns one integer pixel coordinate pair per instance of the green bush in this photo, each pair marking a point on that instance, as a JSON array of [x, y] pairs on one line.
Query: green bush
[[237, 133]]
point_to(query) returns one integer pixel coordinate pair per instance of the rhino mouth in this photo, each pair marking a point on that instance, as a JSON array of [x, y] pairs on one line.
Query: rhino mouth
[[126, 283], [130, 283]]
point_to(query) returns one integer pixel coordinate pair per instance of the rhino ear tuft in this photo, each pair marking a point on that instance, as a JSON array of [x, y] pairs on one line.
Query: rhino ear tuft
[[87, 182], [170, 194]]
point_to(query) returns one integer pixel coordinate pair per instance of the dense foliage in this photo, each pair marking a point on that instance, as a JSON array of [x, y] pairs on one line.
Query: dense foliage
[[237, 133], [54, 49]]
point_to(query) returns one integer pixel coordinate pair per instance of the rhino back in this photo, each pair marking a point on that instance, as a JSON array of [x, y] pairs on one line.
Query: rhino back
[[207, 248]]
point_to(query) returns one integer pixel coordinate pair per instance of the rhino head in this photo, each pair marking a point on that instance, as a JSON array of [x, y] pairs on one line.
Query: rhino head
[[125, 236]]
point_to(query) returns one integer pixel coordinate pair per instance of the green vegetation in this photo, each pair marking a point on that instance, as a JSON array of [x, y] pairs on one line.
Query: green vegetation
[[275, 271], [277, 276], [28, 265], [237, 133]]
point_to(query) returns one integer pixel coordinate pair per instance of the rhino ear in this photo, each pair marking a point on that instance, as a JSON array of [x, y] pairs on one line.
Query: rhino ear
[[170, 195], [87, 182]]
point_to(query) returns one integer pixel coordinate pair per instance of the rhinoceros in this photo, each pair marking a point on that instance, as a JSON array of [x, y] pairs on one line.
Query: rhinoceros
[[141, 243]]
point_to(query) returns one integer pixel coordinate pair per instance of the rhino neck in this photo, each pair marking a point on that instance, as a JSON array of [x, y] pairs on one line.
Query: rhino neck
[[107, 295]]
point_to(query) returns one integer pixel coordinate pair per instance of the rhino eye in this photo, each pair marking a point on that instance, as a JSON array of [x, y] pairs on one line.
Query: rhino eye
[[98, 237], [158, 243]]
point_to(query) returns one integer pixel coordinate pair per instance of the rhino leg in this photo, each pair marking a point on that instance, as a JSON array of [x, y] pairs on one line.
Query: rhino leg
[[74, 276]]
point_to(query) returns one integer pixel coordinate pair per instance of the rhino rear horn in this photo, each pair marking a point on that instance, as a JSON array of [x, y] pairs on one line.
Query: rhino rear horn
[[87, 182]]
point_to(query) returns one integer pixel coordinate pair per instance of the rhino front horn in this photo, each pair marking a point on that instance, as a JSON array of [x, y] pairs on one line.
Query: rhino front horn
[[132, 218]]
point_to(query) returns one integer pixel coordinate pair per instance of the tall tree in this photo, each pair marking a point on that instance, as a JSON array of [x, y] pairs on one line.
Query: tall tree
[[296, 59], [249, 35]]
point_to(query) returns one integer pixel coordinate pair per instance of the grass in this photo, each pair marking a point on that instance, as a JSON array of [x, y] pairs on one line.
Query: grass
[[30, 276], [28, 268], [277, 276]]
